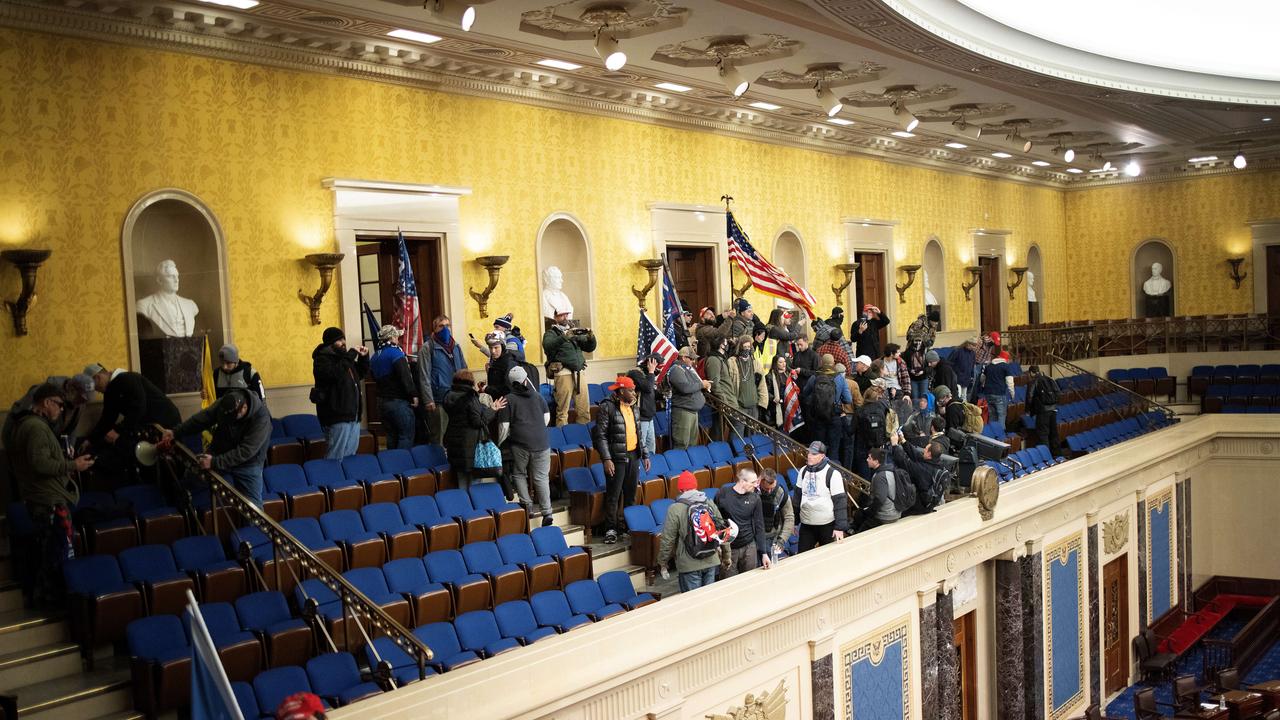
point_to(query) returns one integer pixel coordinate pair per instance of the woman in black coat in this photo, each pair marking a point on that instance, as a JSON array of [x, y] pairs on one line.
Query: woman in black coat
[[468, 425]]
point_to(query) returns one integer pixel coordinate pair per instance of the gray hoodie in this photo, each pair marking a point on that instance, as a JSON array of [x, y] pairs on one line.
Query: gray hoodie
[[676, 527]]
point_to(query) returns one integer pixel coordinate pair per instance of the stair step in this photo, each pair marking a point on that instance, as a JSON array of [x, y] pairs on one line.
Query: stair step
[[610, 557], [10, 595], [25, 629], [102, 691], [125, 715], [46, 661]]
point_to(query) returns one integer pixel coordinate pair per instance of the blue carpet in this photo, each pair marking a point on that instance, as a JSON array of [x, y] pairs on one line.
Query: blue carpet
[[1267, 668]]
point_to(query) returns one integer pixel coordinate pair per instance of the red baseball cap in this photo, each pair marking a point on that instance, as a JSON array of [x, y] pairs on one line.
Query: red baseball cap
[[995, 336], [623, 382], [300, 706], [1005, 356]]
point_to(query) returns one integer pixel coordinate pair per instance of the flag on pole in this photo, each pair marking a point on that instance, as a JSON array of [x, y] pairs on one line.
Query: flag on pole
[[767, 278], [211, 695], [208, 393], [373, 325], [407, 315], [791, 406], [671, 309], [650, 341]]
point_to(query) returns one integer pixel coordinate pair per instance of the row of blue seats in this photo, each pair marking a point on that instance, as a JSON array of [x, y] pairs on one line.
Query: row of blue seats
[[1118, 375], [1251, 409], [1245, 391], [1237, 373], [148, 518], [354, 480], [1081, 409], [1116, 432], [1024, 462]]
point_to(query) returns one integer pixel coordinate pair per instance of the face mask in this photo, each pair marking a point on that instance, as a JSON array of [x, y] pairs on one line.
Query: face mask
[[445, 334]]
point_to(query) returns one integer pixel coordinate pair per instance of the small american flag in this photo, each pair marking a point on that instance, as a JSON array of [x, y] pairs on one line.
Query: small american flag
[[651, 341], [406, 314], [791, 406], [764, 276]]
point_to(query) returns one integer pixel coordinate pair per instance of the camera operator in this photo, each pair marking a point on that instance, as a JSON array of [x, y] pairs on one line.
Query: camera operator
[[564, 346]]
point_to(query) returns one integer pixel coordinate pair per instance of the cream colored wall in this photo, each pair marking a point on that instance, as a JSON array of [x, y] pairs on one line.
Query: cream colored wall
[[1235, 494]]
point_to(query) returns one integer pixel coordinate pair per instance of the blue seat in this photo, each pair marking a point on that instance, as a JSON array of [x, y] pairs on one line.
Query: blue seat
[[303, 426], [266, 614], [445, 646], [429, 601], [372, 583], [404, 669], [152, 569], [617, 589], [272, 686], [575, 563], [477, 525], [362, 548], [478, 632], [677, 461], [542, 572], [516, 621], [416, 479], [335, 677], [243, 692], [380, 486], [161, 662], [432, 457], [508, 580], [342, 492], [203, 558], [441, 533], [290, 483], [551, 609], [470, 591], [639, 519], [239, 649], [308, 532], [577, 435], [403, 540], [510, 517], [585, 598]]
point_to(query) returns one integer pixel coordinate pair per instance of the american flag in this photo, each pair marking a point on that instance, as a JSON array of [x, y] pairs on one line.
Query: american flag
[[764, 276], [671, 309], [406, 315], [651, 341], [791, 406]]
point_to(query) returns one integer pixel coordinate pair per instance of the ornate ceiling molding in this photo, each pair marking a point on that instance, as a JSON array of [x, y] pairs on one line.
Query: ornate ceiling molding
[[710, 50], [831, 75], [582, 19], [898, 93], [969, 111]]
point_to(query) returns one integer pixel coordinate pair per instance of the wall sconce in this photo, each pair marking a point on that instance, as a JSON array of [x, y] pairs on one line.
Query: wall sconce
[[846, 272], [1235, 274], [28, 262], [738, 291], [911, 271], [651, 265], [1019, 272], [493, 264], [975, 277], [325, 263]]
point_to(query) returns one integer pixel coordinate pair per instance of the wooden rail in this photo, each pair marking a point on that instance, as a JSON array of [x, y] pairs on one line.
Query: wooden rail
[[1094, 338]]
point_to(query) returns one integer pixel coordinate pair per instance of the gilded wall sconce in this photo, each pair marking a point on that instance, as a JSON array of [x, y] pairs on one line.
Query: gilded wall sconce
[[27, 261], [1236, 276], [738, 291], [846, 274], [493, 264], [975, 278], [1018, 273], [652, 266], [325, 264], [911, 271]]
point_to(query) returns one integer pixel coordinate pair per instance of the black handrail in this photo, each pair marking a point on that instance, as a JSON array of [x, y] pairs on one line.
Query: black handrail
[[1169, 414], [353, 601]]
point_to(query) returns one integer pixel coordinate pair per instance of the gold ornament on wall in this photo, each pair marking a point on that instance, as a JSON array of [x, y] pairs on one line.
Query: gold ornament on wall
[[975, 278], [325, 263], [1234, 273], [846, 271], [771, 705], [1115, 533], [1019, 273], [651, 266], [911, 271], [493, 264], [28, 262]]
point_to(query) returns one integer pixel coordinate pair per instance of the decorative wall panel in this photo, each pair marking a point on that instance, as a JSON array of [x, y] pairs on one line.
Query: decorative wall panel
[[876, 674], [1065, 615], [1160, 577]]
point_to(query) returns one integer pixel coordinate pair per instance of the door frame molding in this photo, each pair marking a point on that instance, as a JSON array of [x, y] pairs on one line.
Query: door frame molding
[[855, 242], [1265, 233], [988, 242], [1121, 560], [697, 226]]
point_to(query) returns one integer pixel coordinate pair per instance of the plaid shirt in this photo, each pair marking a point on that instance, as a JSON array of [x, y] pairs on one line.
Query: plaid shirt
[[835, 350]]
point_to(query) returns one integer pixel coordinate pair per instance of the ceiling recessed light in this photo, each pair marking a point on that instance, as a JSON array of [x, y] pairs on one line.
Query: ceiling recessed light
[[902, 134], [1001, 155], [840, 121], [673, 87], [559, 64], [1039, 163], [415, 36], [1100, 170], [1074, 171], [957, 145], [237, 4], [1203, 158], [759, 105], [1263, 119]]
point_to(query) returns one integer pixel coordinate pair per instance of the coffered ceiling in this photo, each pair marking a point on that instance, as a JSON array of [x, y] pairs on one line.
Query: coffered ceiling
[[977, 113]]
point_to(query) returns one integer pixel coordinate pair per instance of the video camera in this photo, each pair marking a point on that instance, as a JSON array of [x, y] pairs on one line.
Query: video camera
[[971, 449]]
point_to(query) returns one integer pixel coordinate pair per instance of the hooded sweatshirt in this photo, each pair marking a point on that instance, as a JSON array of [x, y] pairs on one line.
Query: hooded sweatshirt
[[237, 442], [676, 527], [997, 378]]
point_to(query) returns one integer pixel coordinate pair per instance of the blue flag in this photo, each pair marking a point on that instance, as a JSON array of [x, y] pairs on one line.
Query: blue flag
[[671, 309], [374, 327], [211, 695]]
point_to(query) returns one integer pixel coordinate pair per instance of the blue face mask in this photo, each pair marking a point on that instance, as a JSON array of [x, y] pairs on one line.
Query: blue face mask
[[445, 334]]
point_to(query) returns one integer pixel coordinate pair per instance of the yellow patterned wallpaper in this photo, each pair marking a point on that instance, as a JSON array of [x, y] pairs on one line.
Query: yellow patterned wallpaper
[[101, 125]]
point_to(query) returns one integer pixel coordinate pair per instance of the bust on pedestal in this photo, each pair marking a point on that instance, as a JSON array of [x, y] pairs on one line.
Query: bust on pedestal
[[170, 314], [1157, 294], [553, 298], [1031, 287], [170, 357]]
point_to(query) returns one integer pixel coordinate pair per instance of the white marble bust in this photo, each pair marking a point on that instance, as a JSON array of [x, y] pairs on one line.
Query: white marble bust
[[1157, 284], [1031, 286], [169, 312], [553, 298], [929, 297]]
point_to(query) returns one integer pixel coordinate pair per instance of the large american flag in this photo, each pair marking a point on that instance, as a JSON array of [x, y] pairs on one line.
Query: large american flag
[[764, 276], [791, 406], [406, 314], [652, 341]]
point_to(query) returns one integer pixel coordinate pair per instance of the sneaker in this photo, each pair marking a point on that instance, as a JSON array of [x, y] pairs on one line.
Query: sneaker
[[611, 537], [546, 521]]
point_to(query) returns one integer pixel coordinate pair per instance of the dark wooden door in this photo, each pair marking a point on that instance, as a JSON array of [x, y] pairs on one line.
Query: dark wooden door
[[1273, 280], [692, 274], [967, 655], [1115, 623], [989, 293], [870, 288], [380, 283]]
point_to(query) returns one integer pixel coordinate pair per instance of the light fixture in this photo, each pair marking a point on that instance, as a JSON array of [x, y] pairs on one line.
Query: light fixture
[[1067, 153], [911, 271], [761, 105], [1202, 159], [840, 121], [1239, 160], [609, 51], [1001, 155], [558, 64], [452, 12], [1267, 119], [1132, 168], [237, 4], [325, 264], [415, 36], [1074, 171], [1236, 276], [1040, 163], [846, 271], [1019, 274], [673, 87], [902, 134], [28, 262], [904, 116], [829, 101], [956, 145], [651, 266], [975, 277], [1015, 138], [493, 265], [733, 81]]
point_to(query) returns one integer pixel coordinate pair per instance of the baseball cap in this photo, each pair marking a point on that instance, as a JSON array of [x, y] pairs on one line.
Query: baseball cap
[[517, 375], [93, 369], [687, 352], [818, 447], [862, 359], [623, 381], [300, 706]]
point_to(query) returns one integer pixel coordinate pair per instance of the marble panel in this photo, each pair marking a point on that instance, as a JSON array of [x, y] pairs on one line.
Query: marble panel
[[1032, 636], [929, 654], [1143, 620], [1010, 698], [824, 703], [948, 660], [1095, 664]]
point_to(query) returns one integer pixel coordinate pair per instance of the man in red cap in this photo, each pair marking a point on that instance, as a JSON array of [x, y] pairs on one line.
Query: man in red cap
[[691, 507], [996, 383], [617, 440], [301, 706]]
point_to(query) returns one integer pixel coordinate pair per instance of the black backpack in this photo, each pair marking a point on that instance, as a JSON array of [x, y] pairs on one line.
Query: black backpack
[[822, 400], [874, 422], [703, 534], [930, 497], [904, 491], [1046, 391]]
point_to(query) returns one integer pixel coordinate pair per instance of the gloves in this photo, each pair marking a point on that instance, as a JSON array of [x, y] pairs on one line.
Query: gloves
[[663, 572]]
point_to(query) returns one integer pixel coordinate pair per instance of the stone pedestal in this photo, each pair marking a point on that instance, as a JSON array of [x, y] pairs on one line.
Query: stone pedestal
[[173, 364]]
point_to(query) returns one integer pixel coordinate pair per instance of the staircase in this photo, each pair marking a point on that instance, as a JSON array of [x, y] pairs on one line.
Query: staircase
[[42, 667]]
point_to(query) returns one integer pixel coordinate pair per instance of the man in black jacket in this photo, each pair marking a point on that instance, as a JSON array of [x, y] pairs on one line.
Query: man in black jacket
[[617, 440], [804, 361], [943, 373], [338, 371], [523, 422], [947, 406], [397, 395], [922, 465], [741, 504], [644, 377], [1042, 404], [241, 426], [130, 404], [866, 330]]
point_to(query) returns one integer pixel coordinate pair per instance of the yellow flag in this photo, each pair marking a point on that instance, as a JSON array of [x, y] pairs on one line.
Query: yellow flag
[[207, 392]]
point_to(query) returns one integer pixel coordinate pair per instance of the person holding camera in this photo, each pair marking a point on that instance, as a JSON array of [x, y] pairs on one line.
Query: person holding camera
[[338, 372], [866, 333], [564, 346]]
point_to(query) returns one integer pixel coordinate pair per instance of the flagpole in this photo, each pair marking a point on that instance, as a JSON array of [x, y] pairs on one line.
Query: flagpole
[[201, 639], [679, 303]]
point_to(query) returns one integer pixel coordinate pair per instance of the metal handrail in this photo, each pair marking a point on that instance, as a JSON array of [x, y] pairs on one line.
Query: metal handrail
[[282, 542], [1089, 339], [1054, 361]]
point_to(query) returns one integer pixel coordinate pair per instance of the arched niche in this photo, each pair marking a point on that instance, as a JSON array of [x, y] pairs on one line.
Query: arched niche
[[563, 243], [788, 254], [1035, 286], [933, 283], [1147, 254], [173, 224]]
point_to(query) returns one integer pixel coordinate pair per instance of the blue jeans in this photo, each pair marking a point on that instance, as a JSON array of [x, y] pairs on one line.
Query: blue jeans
[[696, 579], [997, 407], [647, 438], [397, 416], [343, 439], [919, 388], [248, 480]]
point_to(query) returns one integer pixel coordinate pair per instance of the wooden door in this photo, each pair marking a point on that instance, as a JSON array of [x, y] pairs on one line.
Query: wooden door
[[377, 277], [1115, 623], [966, 655], [693, 274], [870, 288], [989, 293]]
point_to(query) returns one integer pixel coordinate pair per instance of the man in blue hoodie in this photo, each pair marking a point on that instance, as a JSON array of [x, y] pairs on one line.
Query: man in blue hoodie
[[439, 357], [397, 396]]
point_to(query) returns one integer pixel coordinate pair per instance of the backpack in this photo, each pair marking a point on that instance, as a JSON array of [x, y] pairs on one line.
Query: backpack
[[1046, 391], [822, 400], [873, 421], [972, 418], [532, 371], [904, 491], [703, 536], [931, 496]]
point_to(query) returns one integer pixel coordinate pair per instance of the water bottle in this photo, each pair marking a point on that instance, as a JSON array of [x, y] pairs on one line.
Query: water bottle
[[1222, 701], [774, 555]]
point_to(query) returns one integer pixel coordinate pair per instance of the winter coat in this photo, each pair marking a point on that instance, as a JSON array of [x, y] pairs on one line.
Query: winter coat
[[944, 374], [497, 384], [338, 375], [40, 464], [568, 348], [869, 340], [686, 388], [676, 527], [962, 361], [468, 425], [390, 370], [437, 362], [132, 402], [725, 378], [237, 442], [610, 434], [646, 397], [242, 376]]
